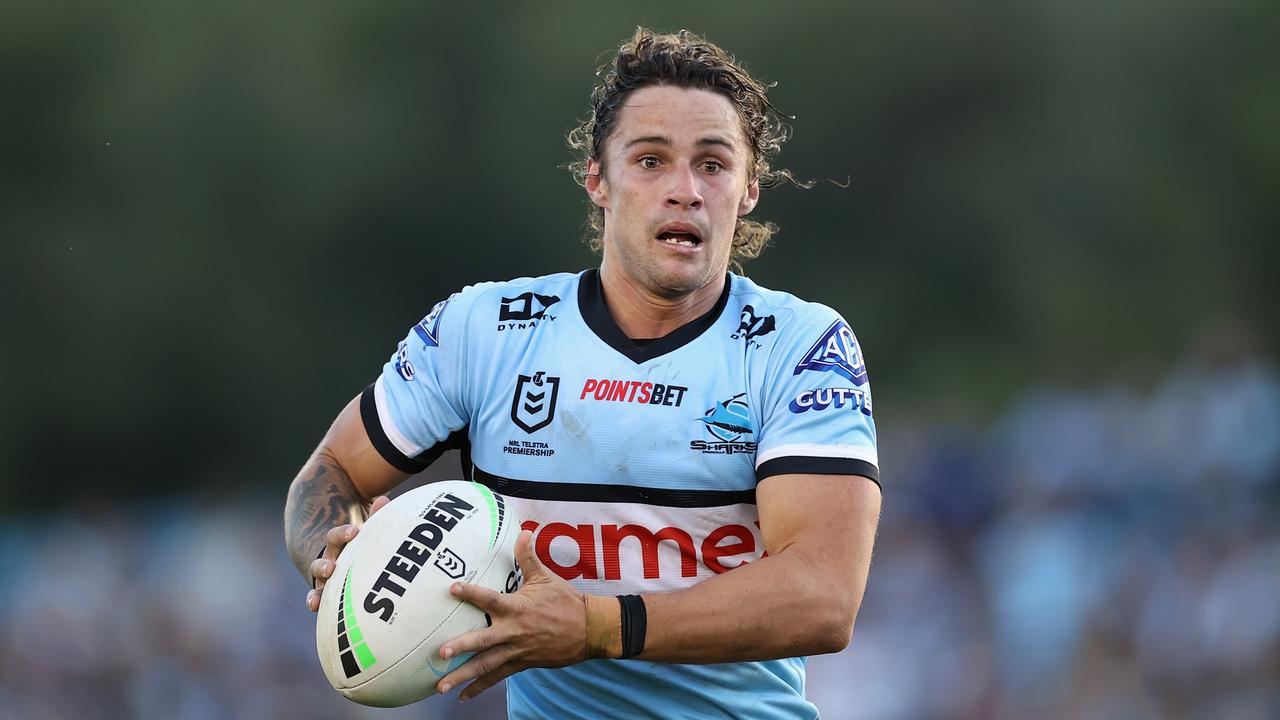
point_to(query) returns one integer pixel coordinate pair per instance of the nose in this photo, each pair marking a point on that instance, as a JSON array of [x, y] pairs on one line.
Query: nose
[[684, 191]]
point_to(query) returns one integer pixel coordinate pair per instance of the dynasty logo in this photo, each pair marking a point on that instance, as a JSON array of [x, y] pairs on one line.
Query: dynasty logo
[[534, 404], [729, 424], [525, 311], [752, 326]]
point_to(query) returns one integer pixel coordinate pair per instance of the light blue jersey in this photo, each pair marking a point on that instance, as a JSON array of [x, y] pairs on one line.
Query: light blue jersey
[[634, 463]]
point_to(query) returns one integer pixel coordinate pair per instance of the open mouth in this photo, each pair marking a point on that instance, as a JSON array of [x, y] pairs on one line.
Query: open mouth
[[680, 235]]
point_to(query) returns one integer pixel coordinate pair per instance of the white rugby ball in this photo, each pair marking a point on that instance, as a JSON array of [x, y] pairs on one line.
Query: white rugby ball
[[387, 609]]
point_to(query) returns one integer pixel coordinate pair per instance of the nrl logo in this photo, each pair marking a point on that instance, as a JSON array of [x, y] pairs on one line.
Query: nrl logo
[[836, 351], [531, 409], [450, 564]]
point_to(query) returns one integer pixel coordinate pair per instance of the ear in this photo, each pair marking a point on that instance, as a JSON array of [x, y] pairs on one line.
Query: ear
[[750, 199], [597, 188]]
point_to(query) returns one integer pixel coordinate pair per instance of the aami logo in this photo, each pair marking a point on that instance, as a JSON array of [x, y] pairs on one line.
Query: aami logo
[[751, 326], [531, 408], [719, 551], [836, 351], [729, 423], [633, 391], [823, 398], [429, 329], [441, 517], [525, 310]]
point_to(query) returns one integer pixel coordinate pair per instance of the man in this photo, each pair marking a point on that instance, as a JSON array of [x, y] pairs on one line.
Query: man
[[693, 455]]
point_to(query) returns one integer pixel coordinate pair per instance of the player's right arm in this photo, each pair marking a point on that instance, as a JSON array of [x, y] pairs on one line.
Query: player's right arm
[[395, 428], [339, 486]]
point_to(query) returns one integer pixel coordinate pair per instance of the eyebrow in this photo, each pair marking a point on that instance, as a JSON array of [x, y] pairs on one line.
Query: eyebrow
[[664, 140]]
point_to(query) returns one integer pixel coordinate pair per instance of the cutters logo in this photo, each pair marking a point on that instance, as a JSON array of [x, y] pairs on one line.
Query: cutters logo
[[525, 310], [823, 398], [633, 391], [429, 329], [531, 409], [752, 327], [729, 423], [836, 351]]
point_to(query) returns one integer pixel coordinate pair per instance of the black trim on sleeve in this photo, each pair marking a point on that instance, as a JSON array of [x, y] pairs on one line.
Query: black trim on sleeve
[[457, 440], [817, 466], [593, 492], [596, 314]]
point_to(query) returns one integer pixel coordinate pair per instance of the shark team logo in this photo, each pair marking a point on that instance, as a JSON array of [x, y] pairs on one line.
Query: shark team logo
[[729, 424], [836, 351], [534, 404]]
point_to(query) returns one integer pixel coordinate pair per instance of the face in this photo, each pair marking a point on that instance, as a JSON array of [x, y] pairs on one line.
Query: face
[[675, 178]]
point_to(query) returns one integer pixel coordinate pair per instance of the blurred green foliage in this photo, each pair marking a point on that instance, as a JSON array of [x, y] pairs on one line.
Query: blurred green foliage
[[216, 220]]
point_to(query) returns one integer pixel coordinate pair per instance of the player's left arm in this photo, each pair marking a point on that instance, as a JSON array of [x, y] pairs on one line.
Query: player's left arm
[[800, 599]]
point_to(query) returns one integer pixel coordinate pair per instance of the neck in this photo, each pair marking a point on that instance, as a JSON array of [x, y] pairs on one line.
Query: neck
[[642, 314]]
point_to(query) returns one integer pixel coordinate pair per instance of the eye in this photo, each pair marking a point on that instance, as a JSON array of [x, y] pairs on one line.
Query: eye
[[649, 162], [711, 167]]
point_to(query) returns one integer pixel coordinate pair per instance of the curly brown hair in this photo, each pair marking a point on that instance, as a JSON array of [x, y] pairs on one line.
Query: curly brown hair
[[686, 60]]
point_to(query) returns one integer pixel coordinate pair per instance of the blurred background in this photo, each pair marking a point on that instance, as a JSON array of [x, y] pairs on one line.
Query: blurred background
[[1058, 247]]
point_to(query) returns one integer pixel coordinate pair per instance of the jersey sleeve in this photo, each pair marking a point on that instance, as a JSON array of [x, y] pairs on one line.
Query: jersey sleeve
[[416, 408], [817, 416]]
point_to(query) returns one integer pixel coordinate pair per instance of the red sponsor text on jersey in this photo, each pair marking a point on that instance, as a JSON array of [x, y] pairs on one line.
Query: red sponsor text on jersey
[[721, 544], [633, 391]]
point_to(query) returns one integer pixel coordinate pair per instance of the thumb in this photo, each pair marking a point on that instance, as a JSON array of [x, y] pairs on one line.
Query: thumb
[[530, 566]]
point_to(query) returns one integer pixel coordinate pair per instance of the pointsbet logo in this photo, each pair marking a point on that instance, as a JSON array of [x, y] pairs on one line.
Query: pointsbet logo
[[633, 391], [601, 548]]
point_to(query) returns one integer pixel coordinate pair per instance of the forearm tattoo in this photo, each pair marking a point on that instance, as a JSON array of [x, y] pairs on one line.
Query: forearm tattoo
[[320, 498]]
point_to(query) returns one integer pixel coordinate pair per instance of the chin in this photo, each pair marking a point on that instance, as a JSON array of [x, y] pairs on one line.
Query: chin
[[676, 283]]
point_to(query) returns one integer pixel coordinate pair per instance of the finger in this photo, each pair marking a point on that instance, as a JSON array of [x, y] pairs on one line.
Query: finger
[[488, 680], [337, 538], [530, 566], [479, 665], [482, 597], [313, 600], [321, 570], [378, 504], [475, 641]]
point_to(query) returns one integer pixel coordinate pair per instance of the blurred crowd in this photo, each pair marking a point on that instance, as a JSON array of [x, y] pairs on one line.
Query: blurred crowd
[[1105, 550]]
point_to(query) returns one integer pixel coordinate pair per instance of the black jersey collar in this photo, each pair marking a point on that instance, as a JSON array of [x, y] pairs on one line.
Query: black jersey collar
[[596, 314]]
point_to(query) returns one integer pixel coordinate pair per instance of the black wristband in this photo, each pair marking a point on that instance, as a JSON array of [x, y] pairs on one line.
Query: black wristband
[[635, 622]]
